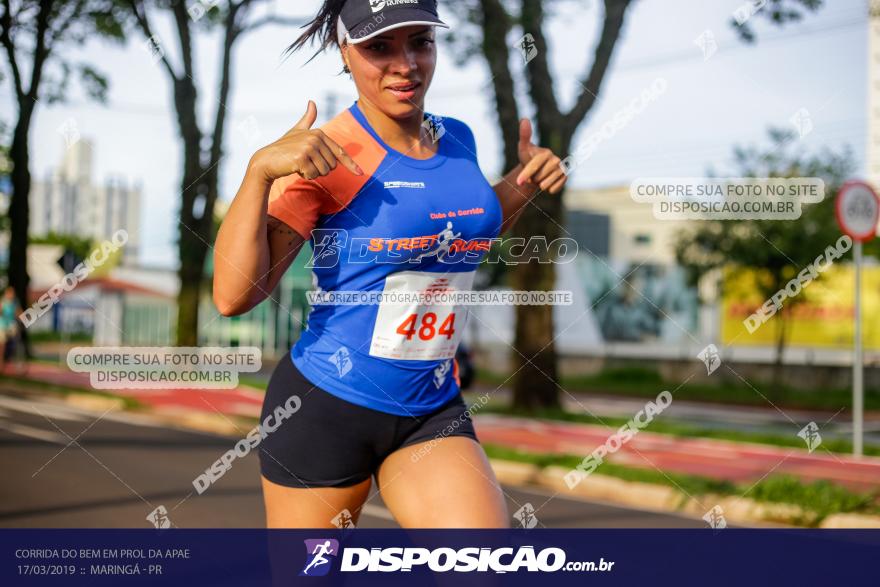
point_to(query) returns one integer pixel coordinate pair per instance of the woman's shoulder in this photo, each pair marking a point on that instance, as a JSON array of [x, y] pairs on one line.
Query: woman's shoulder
[[344, 127]]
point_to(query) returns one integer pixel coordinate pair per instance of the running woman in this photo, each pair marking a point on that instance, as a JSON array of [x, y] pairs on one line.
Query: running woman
[[392, 201]]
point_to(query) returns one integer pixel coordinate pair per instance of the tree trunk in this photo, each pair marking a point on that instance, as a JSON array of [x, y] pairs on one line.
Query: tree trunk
[[193, 237], [781, 333], [200, 187], [19, 214], [196, 229], [536, 382]]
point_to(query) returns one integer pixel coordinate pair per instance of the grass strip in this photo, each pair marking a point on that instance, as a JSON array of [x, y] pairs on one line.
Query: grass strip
[[642, 382], [129, 403], [820, 498], [834, 445]]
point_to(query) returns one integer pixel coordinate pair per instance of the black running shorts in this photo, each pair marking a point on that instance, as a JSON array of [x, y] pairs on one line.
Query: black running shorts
[[331, 442]]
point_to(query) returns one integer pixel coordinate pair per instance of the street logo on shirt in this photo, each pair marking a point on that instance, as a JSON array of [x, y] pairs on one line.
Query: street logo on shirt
[[332, 245]]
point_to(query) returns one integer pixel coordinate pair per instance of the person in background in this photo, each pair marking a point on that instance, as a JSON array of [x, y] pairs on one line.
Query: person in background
[[10, 333]]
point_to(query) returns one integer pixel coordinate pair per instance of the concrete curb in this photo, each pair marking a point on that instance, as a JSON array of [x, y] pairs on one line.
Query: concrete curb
[[851, 521], [226, 425], [662, 498], [641, 495], [96, 403]]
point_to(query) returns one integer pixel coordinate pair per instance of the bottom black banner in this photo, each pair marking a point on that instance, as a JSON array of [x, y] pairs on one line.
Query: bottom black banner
[[437, 557]]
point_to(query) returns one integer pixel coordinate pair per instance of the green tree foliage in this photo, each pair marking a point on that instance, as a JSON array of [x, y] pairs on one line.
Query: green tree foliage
[[498, 30], [36, 37], [80, 246], [202, 142], [778, 248]]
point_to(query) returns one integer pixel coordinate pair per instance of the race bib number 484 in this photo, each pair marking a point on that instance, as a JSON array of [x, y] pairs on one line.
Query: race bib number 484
[[419, 331]]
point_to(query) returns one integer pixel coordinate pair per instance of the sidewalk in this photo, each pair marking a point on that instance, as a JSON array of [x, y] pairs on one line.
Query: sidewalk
[[719, 459]]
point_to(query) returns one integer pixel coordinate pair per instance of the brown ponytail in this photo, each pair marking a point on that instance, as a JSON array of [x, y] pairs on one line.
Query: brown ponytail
[[322, 28]]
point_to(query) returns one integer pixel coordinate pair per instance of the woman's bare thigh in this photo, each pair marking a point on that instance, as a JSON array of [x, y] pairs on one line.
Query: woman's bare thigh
[[445, 483], [316, 507]]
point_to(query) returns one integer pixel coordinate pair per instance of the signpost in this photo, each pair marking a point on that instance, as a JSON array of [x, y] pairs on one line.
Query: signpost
[[857, 208]]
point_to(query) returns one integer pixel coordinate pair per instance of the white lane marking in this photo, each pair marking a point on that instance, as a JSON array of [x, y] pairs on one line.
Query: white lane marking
[[53, 410], [136, 419], [31, 432]]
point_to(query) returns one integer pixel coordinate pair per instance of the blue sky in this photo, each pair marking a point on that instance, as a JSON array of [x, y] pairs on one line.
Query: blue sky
[[819, 64]]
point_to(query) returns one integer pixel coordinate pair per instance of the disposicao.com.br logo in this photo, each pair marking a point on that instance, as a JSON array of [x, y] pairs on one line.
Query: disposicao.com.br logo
[[317, 559], [468, 559]]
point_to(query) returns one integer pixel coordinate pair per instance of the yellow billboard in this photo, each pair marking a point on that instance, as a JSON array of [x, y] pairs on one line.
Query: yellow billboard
[[819, 315]]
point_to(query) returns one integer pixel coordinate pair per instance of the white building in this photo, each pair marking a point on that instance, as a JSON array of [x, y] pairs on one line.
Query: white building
[[873, 153], [631, 231], [70, 202]]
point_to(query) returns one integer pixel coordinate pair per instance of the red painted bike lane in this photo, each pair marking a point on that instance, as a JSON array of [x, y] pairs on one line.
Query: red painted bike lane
[[733, 461]]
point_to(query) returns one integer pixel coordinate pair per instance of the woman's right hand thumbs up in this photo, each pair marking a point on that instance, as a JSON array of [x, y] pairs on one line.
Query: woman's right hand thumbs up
[[302, 150]]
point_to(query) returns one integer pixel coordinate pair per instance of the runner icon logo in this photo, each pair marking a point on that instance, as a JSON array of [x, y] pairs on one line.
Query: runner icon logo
[[317, 561], [528, 48], [343, 520], [342, 360], [715, 518], [434, 126], [159, 518], [710, 358], [810, 434], [526, 516], [328, 247], [441, 372]]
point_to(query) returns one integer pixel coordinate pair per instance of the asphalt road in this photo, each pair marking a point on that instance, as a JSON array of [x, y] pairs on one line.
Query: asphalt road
[[64, 467]]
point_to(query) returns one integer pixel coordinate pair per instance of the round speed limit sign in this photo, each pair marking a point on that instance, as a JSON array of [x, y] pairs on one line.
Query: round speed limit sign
[[857, 208]]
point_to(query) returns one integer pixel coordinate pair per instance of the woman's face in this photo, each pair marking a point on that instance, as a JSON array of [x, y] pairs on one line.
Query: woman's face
[[393, 70]]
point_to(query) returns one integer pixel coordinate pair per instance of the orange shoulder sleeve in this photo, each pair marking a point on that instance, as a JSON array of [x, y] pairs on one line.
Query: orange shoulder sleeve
[[300, 203], [297, 203]]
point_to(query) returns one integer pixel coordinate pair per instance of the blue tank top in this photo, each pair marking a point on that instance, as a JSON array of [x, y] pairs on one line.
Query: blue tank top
[[407, 225]]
